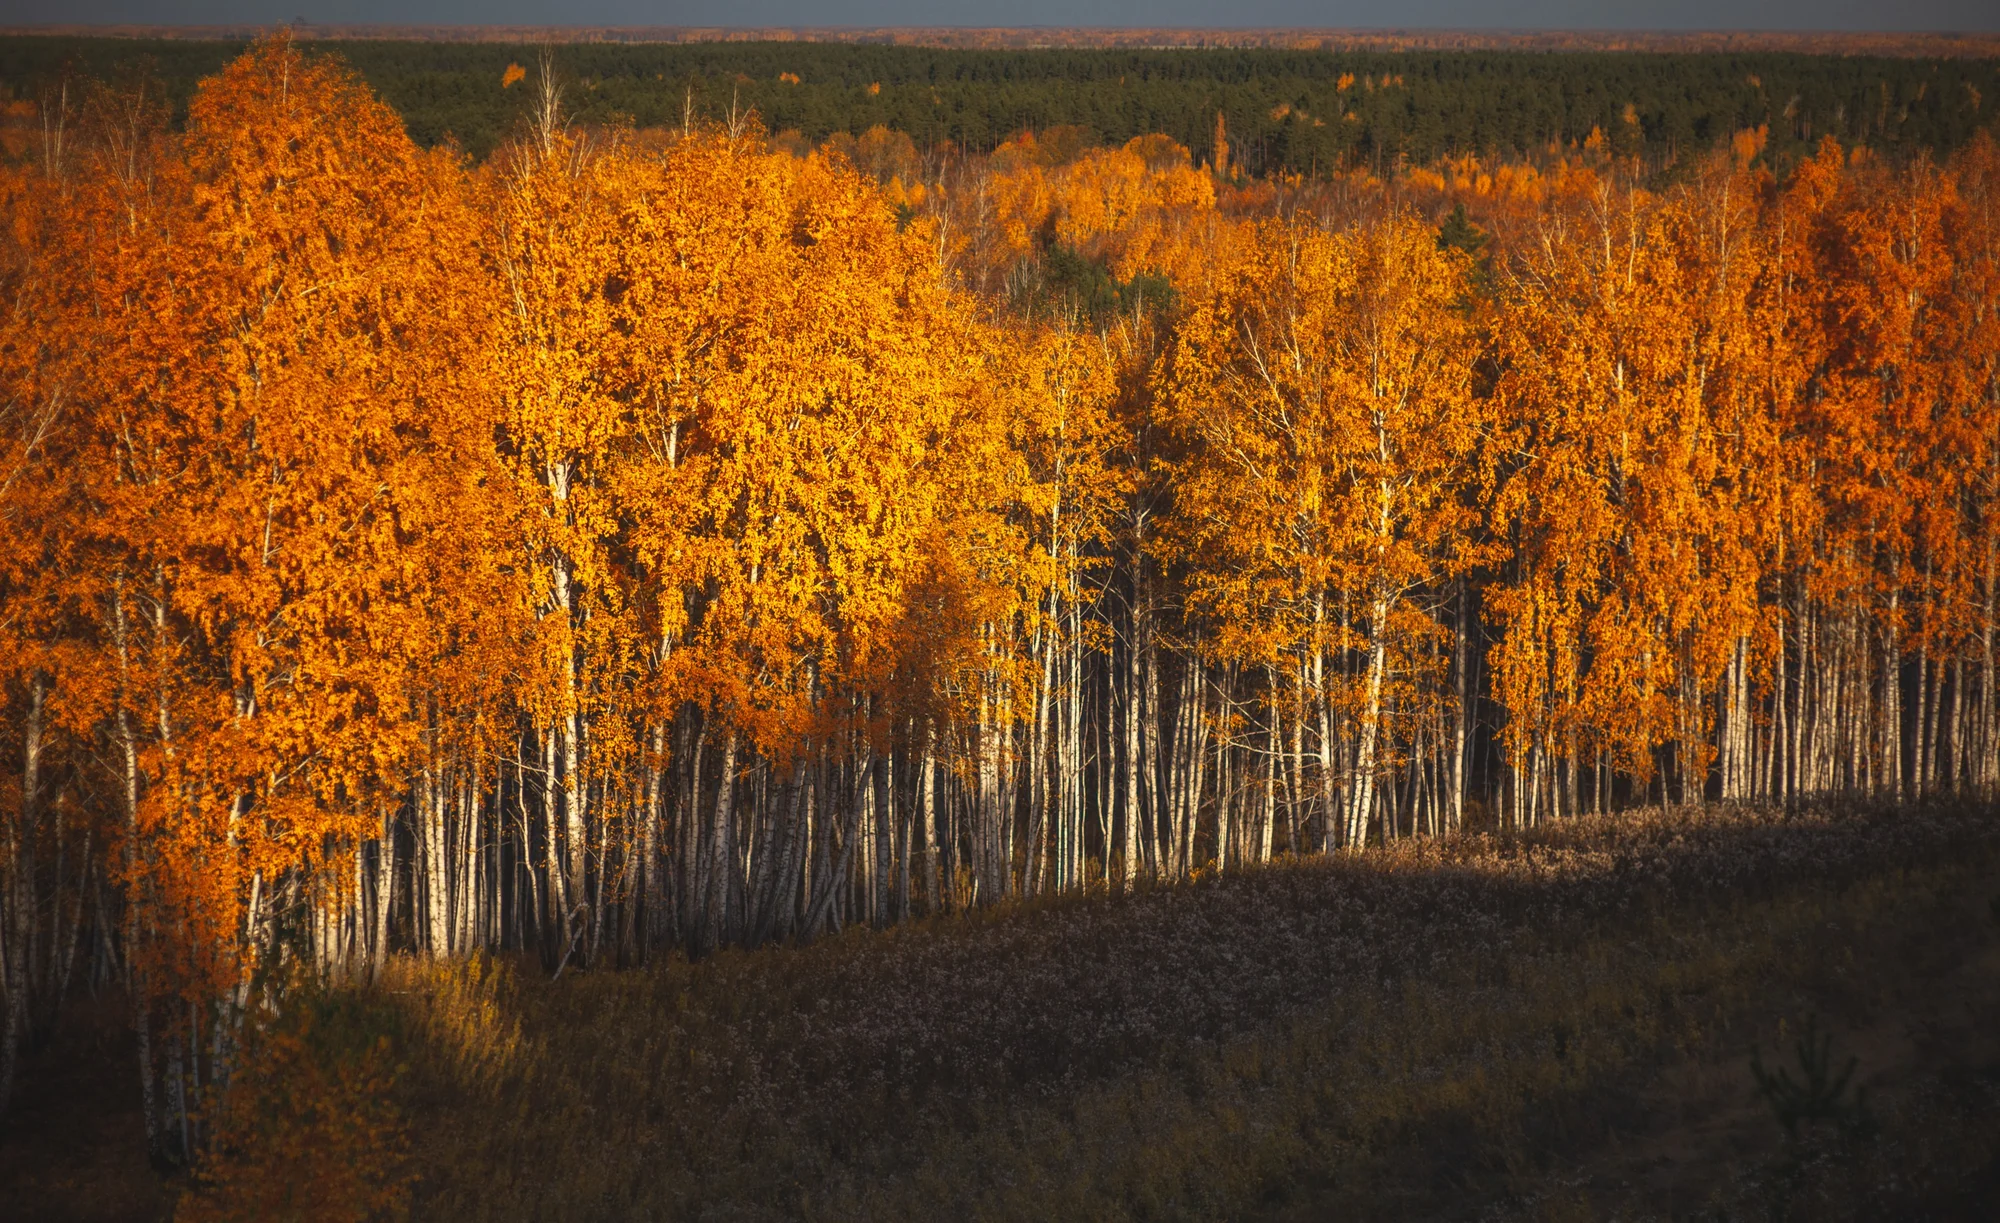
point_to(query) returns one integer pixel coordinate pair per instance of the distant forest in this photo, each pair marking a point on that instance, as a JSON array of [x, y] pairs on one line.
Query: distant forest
[[1288, 111]]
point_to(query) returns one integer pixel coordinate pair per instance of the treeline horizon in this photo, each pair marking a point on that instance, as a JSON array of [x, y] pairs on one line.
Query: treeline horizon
[[668, 540], [1294, 110], [1813, 42]]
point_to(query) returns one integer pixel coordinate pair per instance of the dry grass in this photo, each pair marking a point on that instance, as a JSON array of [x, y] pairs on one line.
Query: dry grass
[[1418, 1029], [1551, 1026]]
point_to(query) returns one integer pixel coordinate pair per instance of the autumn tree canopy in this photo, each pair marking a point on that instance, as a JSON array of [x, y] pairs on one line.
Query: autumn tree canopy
[[671, 538]]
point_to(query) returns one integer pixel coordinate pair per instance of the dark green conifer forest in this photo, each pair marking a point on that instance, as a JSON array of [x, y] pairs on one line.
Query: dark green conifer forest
[[1287, 110]]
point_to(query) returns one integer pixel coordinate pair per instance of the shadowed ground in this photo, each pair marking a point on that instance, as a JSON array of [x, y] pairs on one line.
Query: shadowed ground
[[1551, 1026]]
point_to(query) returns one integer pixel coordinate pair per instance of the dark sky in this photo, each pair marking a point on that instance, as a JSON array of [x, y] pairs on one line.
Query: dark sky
[[1482, 14]]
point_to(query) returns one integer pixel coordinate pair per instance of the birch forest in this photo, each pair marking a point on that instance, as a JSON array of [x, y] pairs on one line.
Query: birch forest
[[646, 542]]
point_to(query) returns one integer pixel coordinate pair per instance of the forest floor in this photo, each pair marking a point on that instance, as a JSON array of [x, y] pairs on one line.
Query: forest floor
[[1558, 1025]]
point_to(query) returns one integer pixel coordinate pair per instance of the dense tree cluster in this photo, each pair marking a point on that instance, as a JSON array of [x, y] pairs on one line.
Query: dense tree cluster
[[674, 539], [1299, 110]]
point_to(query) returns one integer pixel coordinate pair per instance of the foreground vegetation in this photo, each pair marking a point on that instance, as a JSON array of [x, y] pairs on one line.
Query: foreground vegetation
[[1301, 1033], [1520, 1025]]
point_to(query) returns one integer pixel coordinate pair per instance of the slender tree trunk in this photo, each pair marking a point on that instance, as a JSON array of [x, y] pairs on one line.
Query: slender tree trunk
[[927, 817], [1462, 720], [556, 920], [1197, 758], [722, 849], [138, 987], [1365, 762], [1153, 785], [1929, 678], [1984, 777], [653, 877], [1892, 701], [885, 820], [17, 934], [437, 883], [385, 892], [1225, 781], [1129, 761], [1959, 775]]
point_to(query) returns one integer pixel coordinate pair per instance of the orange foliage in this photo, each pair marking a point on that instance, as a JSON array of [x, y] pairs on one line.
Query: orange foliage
[[689, 508]]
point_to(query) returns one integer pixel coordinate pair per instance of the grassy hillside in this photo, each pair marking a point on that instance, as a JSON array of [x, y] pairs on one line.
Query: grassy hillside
[[1552, 1026]]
